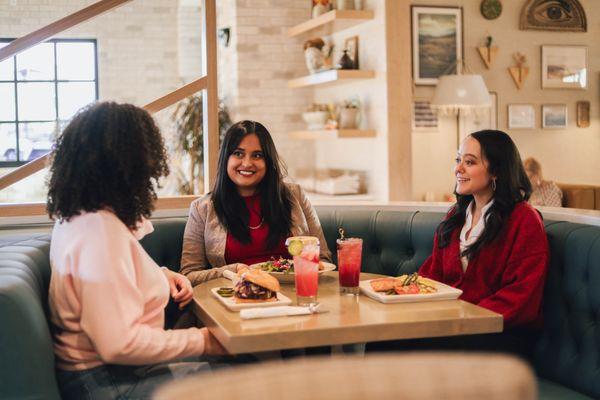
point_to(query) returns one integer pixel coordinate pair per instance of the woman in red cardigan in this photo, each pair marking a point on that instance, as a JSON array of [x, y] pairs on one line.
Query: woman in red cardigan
[[492, 244]]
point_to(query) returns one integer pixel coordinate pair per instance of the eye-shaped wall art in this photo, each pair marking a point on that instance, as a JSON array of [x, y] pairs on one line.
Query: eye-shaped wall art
[[553, 15]]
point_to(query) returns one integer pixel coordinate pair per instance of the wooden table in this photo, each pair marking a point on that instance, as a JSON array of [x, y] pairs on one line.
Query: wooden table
[[351, 319]]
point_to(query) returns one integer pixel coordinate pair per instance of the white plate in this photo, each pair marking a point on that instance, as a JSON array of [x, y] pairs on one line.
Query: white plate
[[444, 292], [282, 300], [288, 277]]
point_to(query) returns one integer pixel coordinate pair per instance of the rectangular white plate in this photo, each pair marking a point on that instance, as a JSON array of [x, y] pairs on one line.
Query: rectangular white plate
[[282, 300], [444, 292]]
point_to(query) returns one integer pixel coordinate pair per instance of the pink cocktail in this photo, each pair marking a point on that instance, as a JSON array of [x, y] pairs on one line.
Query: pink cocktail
[[349, 261], [306, 271]]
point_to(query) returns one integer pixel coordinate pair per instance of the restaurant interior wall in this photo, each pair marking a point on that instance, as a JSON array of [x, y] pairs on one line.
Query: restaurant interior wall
[[363, 154], [568, 155], [256, 66]]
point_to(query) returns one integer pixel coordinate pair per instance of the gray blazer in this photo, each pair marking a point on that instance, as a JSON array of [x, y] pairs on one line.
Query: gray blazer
[[204, 239]]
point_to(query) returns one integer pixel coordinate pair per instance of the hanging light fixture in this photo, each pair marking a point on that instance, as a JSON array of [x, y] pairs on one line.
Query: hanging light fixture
[[461, 94]]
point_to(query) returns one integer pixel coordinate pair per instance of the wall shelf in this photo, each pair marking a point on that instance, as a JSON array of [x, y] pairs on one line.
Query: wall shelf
[[333, 134], [330, 76], [332, 21]]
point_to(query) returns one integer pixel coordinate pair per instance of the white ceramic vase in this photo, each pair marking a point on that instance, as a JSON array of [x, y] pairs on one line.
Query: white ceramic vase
[[314, 59], [319, 9], [315, 120]]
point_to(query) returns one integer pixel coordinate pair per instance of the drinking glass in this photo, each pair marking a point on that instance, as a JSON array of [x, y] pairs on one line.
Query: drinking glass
[[306, 274], [349, 253]]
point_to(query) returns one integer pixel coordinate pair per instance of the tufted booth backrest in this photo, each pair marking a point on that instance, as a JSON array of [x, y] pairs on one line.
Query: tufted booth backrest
[[395, 242], [568, 351], [26, 356]]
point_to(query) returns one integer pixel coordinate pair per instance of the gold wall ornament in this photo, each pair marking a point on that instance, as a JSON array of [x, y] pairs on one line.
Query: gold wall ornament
[[544, 15], [519, 72], [488, 52]]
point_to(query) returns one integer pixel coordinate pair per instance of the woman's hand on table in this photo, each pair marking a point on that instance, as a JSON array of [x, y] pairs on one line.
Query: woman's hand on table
[[240, 266], [212, 347], [180, 287]]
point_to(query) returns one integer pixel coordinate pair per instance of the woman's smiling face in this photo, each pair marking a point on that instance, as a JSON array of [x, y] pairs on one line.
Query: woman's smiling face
[[471, 170], [246, 166]]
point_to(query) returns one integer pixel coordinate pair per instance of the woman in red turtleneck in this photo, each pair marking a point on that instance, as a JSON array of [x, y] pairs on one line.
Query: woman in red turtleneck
[[250, 212]]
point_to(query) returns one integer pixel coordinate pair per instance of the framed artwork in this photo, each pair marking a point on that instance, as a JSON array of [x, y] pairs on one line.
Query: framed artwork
[[521, 116], [436, 42], [554, 116], [564, 67], [545, 15], [424, 119], [351, 44], [479, 120]]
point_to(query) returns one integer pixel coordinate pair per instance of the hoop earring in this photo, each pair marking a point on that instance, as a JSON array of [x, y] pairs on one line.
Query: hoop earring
[[494, 185]]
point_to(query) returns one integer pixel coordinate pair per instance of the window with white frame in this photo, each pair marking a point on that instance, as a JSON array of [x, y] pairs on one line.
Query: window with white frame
[[40, 90]]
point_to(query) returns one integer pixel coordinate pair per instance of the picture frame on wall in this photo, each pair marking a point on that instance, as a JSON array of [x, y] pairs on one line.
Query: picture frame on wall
[[564, 67], [351, 44], [479, 120], [554, 116], [437, 42], [424, 118], [521, 116]]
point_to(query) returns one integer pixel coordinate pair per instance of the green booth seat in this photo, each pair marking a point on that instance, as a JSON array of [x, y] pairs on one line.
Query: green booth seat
[[567, 355]]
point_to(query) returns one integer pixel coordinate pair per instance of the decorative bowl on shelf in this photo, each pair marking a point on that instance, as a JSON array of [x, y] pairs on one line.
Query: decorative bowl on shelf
[[315, 119]]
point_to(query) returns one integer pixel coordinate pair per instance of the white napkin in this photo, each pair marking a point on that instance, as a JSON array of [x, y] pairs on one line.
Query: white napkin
[[232, 276], [268, 312]]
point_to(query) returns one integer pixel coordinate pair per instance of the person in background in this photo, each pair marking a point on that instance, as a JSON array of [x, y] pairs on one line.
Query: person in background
[[492, 244], [545, 193], [250, 212], [106, 295]]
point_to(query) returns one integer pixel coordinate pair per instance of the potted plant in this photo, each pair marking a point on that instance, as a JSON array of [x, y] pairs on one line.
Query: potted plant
[[189, 139]]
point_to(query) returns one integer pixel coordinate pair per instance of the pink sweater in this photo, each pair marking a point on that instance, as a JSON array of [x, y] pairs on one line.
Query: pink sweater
[[107, 297]]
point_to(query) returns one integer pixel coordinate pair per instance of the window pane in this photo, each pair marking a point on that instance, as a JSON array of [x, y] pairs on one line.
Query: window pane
[[8, 142], [7, 68], [75, 61], [35, 139], [74, 95], [36, 63], [36, 101], [7, 97]]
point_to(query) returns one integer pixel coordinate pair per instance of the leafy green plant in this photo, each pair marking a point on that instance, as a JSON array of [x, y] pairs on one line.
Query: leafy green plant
[[189, 137]]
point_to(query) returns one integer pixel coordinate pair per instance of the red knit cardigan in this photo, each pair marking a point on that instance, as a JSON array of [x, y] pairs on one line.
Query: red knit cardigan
[[506, 276]]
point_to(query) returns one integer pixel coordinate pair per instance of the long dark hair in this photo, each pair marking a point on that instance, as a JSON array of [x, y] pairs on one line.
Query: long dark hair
[[110, 156], [512, 187], [275, 200]]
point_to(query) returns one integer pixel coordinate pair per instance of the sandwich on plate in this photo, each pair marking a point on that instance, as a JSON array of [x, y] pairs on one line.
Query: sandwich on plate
[[255, 286]]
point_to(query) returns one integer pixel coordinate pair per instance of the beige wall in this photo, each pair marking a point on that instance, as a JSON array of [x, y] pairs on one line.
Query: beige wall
[[370, 154], [567, 155]]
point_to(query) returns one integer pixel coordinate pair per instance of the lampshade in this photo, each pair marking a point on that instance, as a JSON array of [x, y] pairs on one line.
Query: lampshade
[[464, 93]]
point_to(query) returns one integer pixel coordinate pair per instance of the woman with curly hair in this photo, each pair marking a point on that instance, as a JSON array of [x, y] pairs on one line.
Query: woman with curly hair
[[492, 244], [250, 212], [107, 296]]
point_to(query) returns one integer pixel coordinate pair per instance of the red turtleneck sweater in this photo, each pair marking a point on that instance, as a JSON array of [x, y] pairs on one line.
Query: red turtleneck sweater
[[256, 251]]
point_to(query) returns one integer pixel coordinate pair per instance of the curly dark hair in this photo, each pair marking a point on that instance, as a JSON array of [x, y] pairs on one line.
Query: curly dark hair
[[110, 156]]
